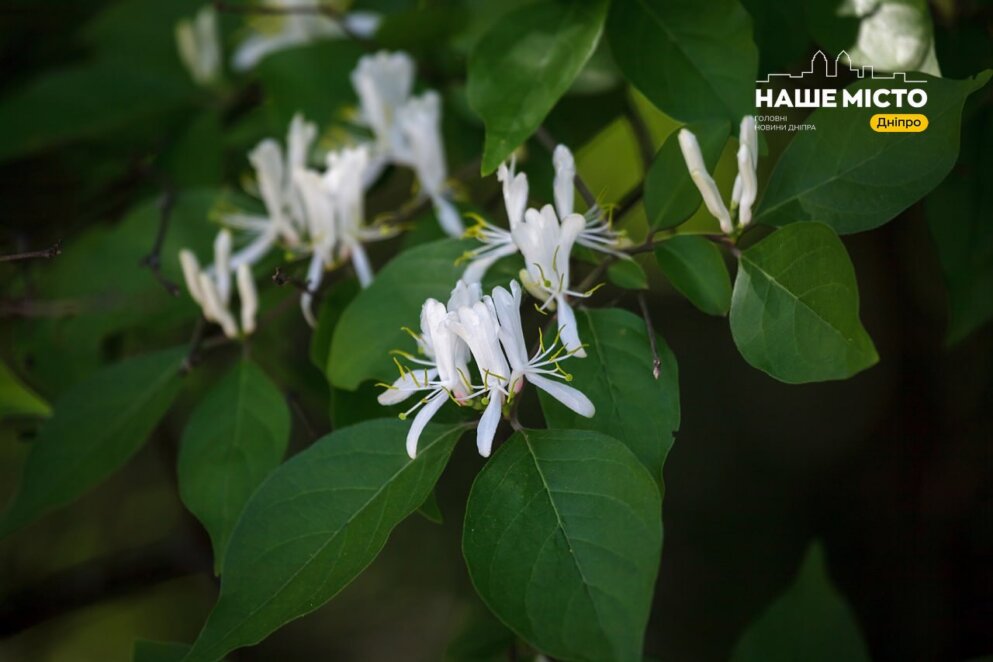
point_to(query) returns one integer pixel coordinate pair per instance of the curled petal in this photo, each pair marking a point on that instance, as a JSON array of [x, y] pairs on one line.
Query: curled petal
[[567, 395], [448, 216], [410, 382], [423, 417], [488, 423], [568, 329]]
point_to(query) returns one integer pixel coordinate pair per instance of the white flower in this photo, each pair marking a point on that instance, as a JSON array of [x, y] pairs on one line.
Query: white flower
[[544, 364], [597, 235], [383, 83], [497, 242], [344, 180], [443, 373], [301, 22], [322, 233], [546, 245], [477, 325], [211, 288], [745, 185], [199, 46], [418, 145]]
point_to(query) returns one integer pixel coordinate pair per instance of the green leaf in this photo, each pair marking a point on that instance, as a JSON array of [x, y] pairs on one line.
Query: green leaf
[[16, 399], [335, 300], [563, 532], [315, 523], [481, 638], [810, 621], [235, 437], [159, 651], [631, 405], [524, 64], [695, 267], [627, 274], [694, 60], [430, 510], [671, 197], [372, 325], [795, 307], [852, 178], [98, 425], [960, 215]]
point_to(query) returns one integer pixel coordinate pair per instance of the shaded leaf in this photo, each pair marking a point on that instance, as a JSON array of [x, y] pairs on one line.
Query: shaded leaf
[[631, 405], [795, 307], [524, 64], [694, 60], [98, 425], [235, 437], [315, 523], [852, 178], [695, 267], [627, 274], [16, 399], [159, 651], [562, 538]]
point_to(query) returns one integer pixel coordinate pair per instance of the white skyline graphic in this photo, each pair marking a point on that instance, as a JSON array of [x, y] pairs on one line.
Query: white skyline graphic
[[843, 59]]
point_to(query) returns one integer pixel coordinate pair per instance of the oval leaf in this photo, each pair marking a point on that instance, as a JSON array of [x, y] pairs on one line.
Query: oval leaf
[[16, 399], [695, 267], [694, 60], [236, 436], [372, 325], [521, 67], [98, 424], [795, 307], [563, 532], [671, 197], [315, 523], [631, 405], [847, 176]]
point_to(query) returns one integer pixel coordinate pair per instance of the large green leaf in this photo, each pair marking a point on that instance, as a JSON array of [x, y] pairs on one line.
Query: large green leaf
[[694, 60], [563, 532], [524, 64], [315, 523], [372, 325], [852, 178], [960, 215], [98, 424], [16, 399], [631, 405], [671, 197], [795, 307], [235, 437], [695, 267], [810, 621]]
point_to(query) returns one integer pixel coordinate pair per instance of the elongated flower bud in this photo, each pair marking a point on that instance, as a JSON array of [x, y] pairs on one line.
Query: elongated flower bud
[[213, 310], [704, 182], [249, 298], [749, 185], [222, 264], [191, 274], [565, 176]]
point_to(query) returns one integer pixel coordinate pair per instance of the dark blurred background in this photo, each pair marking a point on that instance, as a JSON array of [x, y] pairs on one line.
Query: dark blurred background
[[892, 470]]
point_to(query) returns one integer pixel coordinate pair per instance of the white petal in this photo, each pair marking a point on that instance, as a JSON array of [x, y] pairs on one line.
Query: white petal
[[749, 185], [712, 199], [361, 263], [249, 298], [488, 423], [254, 251], [477, 268], [411, 382], [565, 176], [191, 274], [567, 395], [315, 273], [448, 216], [568, 329], [464, 293], [363, 23], [424, 416], [222, 265]]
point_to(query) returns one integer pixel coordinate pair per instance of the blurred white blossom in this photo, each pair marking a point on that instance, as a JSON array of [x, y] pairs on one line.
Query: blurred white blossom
[[199, 45]]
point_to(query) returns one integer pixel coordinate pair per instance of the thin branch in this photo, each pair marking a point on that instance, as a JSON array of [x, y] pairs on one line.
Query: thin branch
[[45, 254], [549, 143], [629, 201], [153, 261], [282, 278], [192, 354], [656, 359]]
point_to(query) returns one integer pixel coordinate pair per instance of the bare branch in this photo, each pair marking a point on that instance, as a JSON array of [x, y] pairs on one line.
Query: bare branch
[[45, 254], [153, 261]]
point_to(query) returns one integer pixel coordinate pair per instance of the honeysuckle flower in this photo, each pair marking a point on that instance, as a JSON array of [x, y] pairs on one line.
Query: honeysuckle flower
[[299, 23], [745, 185], [597, 234], [274, 171], [198, 43], [477, 326], [497, 242], [418, 145], [383, 82], [442, 374], [546, 245], [322, 232], [211, 288], [543, 365]]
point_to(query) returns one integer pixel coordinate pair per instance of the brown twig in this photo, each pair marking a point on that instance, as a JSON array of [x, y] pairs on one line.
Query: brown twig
[[629, 201], [45, 254], [656, 359], [549, 143], [153, 261]]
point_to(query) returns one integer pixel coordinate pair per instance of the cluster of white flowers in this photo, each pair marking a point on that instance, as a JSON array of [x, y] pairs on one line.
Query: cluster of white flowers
[[745, 184], [487, 329], [321, 215], [545, 238]]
